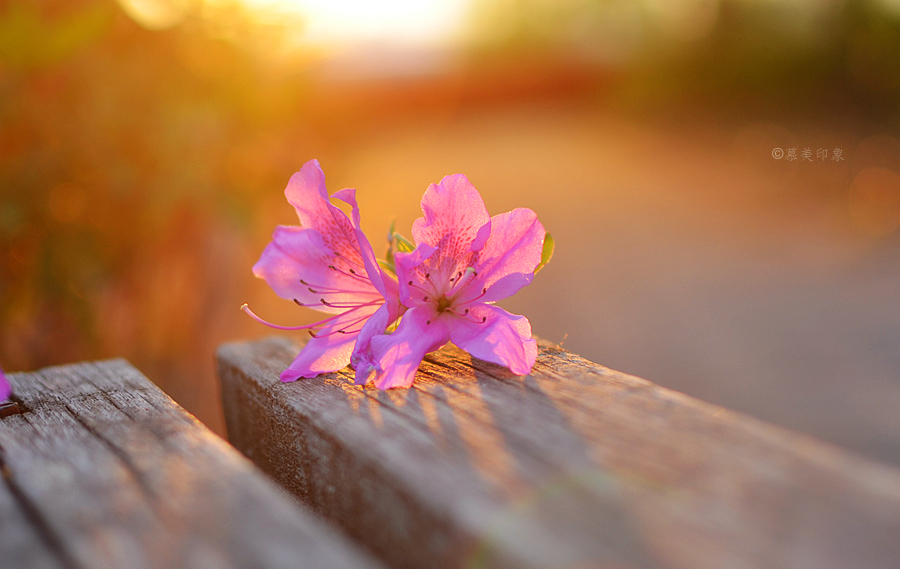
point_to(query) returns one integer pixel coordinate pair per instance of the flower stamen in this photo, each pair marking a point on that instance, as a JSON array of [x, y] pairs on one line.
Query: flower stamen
[[319, 324], [415, 286], [344, 330], [471, 300], [329, 290], [462, 277], [349, 271], [352, 306]]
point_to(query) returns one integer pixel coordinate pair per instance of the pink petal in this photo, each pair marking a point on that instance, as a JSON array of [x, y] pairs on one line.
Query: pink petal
[[410, 270], [510, 256], [380, 280], [456, 222], [5, 388], [385, 284], [361, 359], [306, 192], [296, 254], [502, 338], [320, 355], [331, 349], [396, 357]]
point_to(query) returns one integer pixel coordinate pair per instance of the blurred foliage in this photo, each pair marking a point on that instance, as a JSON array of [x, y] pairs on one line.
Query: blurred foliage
[[127, 157], [795, 56]]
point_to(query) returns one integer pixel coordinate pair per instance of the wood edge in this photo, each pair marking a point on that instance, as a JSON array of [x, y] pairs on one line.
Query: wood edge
[[877, 476]]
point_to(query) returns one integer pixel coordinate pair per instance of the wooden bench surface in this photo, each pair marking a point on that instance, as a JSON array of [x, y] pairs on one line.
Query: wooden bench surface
[[572, 466], [102, 470]]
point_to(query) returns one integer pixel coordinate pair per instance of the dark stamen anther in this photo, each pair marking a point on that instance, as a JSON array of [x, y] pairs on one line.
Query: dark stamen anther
[[324, 302], [467, 311], [410, 282], [312, 291], [311, 333], [298, 302], [352, 271], [428, 322], [484, 319], [304, 282], [336, 254], [425, 298], [427, 275], [330, 267]]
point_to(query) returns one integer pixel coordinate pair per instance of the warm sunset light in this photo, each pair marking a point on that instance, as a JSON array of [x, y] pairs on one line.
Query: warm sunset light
[[156, 14], [321, 22], [357, 21], [721, 177]]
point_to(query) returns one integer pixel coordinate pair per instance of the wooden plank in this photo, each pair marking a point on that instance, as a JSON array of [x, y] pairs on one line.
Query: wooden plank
[[572, 466], [102, 469]]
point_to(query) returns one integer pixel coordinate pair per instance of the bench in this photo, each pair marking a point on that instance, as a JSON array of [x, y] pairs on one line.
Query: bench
[[100, 469], [573, 466]]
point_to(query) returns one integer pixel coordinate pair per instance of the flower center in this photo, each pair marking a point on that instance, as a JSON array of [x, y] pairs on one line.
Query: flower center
[[443, 303]]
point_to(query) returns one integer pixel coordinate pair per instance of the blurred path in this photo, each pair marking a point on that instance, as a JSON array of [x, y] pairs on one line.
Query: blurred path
[[689, 257]]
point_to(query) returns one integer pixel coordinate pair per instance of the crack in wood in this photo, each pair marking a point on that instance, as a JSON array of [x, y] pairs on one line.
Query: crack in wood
[[121, 455], [45, 532]]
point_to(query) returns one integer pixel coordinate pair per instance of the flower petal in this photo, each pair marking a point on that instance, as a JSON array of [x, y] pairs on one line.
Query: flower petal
[[380, 280], [510, 256], [396, 357], [454, 222], [5, 388], [410, 270], [297, 265], [331, 348], [496, 336], [306, 192], [361, 358], [320, 355]]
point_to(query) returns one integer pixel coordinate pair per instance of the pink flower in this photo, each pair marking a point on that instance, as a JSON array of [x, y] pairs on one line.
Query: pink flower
[[327, 265], [464, 262], [5, 389]]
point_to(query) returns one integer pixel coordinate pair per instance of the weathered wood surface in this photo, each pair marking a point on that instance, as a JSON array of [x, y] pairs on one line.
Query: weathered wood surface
[[102, 470], [573, 466]]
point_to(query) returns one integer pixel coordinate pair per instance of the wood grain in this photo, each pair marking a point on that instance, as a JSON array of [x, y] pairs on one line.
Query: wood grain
[[102, 469], [572, 466]]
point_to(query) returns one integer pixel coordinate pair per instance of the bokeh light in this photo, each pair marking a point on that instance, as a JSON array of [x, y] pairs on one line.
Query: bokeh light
[[358, 21]]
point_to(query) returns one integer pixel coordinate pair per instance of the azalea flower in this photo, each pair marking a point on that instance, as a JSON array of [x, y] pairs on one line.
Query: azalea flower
[[327, 264], [5, 388], [464, 261]]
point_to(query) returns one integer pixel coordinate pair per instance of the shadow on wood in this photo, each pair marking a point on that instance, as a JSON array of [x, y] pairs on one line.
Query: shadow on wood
[[574, 465]]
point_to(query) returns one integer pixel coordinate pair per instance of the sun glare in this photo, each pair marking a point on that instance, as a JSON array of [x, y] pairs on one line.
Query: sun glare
[[344, 22]]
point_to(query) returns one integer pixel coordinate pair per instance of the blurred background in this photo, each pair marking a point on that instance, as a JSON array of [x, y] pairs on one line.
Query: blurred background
[[145, 146]]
